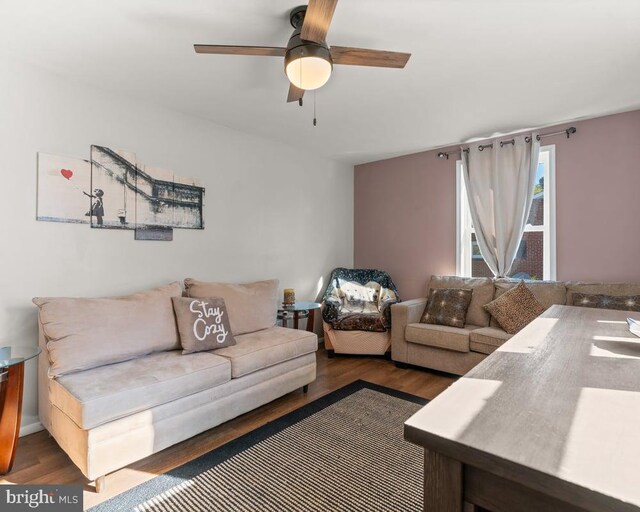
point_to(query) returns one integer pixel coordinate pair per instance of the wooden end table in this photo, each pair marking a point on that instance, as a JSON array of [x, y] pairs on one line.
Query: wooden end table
[[298, 311], [12, 361]]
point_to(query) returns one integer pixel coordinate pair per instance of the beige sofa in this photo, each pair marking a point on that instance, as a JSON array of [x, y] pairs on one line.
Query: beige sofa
[[457, 350], [114, 386]]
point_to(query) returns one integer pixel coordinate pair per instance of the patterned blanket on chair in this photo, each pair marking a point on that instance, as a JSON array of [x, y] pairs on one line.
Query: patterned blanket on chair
[[359, 300]]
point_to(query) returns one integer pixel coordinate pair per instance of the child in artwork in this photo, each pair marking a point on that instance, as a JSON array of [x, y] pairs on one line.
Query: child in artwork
[[97, 208]]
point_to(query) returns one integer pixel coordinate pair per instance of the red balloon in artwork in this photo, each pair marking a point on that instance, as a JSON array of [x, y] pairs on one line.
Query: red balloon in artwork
[[67, 173]]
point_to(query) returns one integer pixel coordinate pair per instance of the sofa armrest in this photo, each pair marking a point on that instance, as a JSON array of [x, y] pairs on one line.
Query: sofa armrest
[[403, 314], [44, 401]]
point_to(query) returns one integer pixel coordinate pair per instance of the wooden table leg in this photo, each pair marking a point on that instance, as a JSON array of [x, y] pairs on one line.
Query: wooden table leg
[[296, 319], [10, 415], [310, 319], [443, 489]]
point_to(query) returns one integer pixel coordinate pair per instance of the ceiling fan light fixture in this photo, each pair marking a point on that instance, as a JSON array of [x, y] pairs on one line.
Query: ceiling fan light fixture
[[309, 66]]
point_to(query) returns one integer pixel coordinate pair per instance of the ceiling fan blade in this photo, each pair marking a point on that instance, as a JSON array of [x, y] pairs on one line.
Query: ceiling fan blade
[[365, 57], [222, 49], [317, 20], [295, 94]]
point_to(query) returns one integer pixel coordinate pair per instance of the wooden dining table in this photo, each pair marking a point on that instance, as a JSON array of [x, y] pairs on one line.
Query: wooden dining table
[[549, 422]]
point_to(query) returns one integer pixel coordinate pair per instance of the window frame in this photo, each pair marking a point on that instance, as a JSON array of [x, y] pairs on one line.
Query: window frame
[[464, 228]]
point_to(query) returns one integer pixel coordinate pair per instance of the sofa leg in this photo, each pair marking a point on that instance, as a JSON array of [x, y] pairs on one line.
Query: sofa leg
[[305, 388], [402, 366], [101, 483], [331, 353]]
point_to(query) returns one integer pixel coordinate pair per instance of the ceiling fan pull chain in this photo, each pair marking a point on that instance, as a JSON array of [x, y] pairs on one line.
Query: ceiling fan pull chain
[[315, 121], [300, 99]]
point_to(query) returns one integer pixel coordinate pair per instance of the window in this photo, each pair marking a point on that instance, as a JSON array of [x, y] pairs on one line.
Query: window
[[536, 258]]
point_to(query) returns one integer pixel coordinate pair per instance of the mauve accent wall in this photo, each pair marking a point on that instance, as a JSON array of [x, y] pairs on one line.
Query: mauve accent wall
[[405, 208]]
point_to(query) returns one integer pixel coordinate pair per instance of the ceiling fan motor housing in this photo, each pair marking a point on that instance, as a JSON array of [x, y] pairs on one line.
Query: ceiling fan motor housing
[[298, 48]]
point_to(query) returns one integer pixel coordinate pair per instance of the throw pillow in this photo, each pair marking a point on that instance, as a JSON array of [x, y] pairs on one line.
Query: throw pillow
[[622, 303], [203, 324], [515, 309], [447, 306]]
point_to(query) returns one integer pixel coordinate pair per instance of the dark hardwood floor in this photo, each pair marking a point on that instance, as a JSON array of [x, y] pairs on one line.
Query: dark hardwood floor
[[40, 460]]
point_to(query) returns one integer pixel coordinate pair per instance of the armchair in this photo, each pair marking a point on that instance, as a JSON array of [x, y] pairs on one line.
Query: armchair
[[356, 311]]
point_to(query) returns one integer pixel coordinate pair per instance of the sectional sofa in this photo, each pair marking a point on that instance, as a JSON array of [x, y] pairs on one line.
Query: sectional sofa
[[457, 350], [114, 386]]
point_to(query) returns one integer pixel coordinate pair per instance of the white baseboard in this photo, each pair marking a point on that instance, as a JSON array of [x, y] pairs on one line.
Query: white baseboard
[[31, 428]]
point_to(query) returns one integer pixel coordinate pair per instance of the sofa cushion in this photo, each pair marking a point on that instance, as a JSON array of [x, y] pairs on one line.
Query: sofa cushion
[[440, 336], [262, 349], [100, 395], [621, 303], [612, 289], [548, 293], [447, 306], [203, 324], [515, 309], [251, 306], [482, 294], [84, 333], [487, 339]]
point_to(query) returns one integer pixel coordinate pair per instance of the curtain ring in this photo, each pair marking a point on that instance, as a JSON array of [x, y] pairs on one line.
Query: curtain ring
[[527, 139], [538, 138], [480, 148], [501, 143]]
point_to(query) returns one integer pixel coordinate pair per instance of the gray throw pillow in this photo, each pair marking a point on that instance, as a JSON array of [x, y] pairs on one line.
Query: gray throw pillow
[[621, 303], [447, 306], [203, 324]]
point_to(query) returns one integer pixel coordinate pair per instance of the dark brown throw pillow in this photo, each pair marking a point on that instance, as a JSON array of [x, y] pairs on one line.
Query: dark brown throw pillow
[[621, 303], [447, 306], [203, 324], [515, 309]]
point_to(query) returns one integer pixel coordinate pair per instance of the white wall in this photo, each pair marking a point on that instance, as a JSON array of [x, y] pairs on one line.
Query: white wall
[[270, 210]]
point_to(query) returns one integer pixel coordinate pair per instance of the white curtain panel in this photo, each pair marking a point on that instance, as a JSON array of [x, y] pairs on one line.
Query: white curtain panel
[[500, 183]]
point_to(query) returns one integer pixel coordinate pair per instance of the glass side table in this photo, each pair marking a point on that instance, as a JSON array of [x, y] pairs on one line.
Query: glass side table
[[12, 361], [298, 311]]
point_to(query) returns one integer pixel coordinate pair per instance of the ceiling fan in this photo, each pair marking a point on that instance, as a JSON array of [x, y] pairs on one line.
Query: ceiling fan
[[308, 60]]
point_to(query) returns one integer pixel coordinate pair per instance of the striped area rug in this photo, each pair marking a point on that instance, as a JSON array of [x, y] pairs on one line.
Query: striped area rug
[[343, 452]]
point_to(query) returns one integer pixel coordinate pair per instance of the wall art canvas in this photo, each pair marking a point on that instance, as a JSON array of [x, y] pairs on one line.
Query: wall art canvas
[[155, 201], [64, 186], [154, 234], [167, 200], [113, 188], [189, 203]]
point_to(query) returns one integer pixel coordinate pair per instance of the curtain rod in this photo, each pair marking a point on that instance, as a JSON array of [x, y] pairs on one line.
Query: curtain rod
[[568, 132]]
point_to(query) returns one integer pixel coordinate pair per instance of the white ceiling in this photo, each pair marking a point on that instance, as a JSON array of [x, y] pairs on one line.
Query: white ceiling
[[478, 66]]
